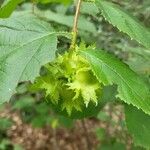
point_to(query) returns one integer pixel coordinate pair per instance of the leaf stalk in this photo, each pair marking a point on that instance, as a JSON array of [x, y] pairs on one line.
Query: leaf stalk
[[75, 25]]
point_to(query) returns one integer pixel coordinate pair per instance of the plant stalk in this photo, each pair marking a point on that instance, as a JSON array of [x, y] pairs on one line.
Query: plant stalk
[[75, 25]]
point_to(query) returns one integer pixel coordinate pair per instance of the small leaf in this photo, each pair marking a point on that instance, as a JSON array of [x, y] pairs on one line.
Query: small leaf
[[8, 7], [109, 70], [124, 22], [26, 43], [138, 124]]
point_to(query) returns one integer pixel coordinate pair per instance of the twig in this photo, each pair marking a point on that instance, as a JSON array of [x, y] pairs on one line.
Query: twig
[[75, 25]]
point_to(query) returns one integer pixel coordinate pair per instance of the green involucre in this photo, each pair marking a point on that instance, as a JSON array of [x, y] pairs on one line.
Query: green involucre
[[70, 82]]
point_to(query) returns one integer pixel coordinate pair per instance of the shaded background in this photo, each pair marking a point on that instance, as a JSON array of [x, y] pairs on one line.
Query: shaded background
[[29, 123]]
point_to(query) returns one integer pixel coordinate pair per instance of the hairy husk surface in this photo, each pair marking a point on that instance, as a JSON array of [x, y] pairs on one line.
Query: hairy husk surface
[[70, 82]]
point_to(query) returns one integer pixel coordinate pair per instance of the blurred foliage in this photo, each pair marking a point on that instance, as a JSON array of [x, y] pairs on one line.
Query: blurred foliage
[[5, 124], [7, 145], [59, 13], [39, 113], [54, 1], [108, 143]]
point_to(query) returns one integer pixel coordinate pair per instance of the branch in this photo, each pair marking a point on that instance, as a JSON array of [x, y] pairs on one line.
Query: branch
[[75, 25]]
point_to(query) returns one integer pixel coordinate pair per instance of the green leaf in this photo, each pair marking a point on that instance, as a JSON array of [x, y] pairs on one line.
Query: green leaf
[[23, 102], [109, 70], [65, 122], [4, 143], [18, 147], [139, 60], [5, 124], [26, 43], [89, 8], [67, 20], [40, 121], [138, 124], [113, 146], [55, 1], [8, 7], [124, 22]]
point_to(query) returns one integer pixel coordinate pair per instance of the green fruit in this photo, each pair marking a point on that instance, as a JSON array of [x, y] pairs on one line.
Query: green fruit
[[70, 82]]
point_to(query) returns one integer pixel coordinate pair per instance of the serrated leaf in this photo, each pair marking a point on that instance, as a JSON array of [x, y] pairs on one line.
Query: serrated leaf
[[8, 7], [26, 43], [110, 70], [138, 124], [124, 22], [89, 8]]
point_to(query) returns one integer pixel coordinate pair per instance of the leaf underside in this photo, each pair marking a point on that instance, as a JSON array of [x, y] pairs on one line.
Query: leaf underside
[[109, 70], [26, 43]]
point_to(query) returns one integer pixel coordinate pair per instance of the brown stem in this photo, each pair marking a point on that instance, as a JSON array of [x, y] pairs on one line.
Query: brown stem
[[75, 24]]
